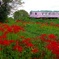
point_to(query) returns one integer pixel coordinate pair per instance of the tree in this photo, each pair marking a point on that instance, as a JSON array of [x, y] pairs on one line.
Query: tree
[[6, 6], [21, 15]]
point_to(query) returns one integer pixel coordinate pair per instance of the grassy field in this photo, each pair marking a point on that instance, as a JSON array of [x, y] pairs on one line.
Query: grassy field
[[29, 39]]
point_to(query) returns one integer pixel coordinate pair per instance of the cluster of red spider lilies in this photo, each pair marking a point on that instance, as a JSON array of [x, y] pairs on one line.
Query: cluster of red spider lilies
[[14, 29], [50, 39]]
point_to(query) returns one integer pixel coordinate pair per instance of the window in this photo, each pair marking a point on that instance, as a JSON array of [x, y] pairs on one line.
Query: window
[[49, 13], [42, 13], [53, 13], [35, 13]]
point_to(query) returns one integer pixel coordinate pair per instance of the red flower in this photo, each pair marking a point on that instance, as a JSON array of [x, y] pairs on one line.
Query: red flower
[[1, 41], [16, 28], [57, 56], [17, 42], [5, 26], [1, 29], [22, 37], [18, 20], [48, 41], [6, 42], [18, 48], [52, 24], [57, 25], [29, 44], [43, 37], [54, 47], [26, 41], [35, 50], [11, 41], [6, 32], [37, 22], [4, 36], [52, 36], [9, 29]]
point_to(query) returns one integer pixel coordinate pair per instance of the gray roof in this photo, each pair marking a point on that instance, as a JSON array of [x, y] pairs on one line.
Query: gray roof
[[45, 11]]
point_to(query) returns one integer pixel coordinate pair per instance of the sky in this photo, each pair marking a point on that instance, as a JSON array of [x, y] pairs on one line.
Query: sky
[[37, 5]]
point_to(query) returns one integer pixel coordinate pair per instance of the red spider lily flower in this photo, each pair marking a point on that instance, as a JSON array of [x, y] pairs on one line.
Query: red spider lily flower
[[29, 45], [57, 56], [17, 42], [37, 22], [1, 38], [35, 50], [4, 36], [1, 41], [6, 32], [46, 24], [22, 37], [16, 28], [43, 24], [9, 29], [1, 29], [18, 20], [43, 37], [57, 25], [5, 26], [52, 36], [26, 41], [11, 41], [52, 24], [48, 41], [54, 47], [18, 48], [6, 42]]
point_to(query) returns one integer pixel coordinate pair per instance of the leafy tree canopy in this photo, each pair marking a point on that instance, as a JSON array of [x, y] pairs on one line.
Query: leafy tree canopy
[[6, 6], [21, 15]]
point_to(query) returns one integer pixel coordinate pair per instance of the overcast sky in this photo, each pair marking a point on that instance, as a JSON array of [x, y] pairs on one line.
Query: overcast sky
[[35, 5]]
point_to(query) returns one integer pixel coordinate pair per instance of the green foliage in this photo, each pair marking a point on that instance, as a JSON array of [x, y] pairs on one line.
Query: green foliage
[[3, 13], [5, 8], [10, 21], [21, 15], [56, 21]]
